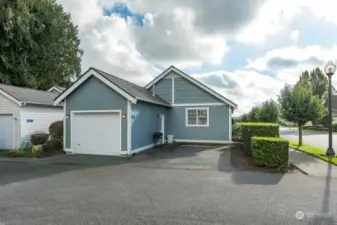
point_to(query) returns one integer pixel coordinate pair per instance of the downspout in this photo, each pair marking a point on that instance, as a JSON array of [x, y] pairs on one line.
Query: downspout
[[153, 90]]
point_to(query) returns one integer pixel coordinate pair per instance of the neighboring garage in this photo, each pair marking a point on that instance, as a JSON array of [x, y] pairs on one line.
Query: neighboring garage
[[6, 131], [25, 111]]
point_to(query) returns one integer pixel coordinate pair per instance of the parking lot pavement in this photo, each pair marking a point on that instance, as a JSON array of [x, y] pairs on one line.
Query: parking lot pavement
[[184, 186]]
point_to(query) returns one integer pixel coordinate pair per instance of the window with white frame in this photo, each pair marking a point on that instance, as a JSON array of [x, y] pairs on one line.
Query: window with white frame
[[197, 117]]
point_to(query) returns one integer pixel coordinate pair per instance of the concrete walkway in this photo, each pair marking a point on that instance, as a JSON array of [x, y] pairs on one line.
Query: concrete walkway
[[312, 166]]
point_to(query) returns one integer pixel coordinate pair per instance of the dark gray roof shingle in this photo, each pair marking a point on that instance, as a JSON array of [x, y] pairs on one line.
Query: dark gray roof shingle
[[132, 89], [30, 96]]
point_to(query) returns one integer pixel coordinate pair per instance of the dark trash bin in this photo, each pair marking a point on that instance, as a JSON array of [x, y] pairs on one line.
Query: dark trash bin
[[157, 138]]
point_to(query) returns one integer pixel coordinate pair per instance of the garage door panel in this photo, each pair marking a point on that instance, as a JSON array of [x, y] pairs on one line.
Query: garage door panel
[[97, 133], [6, 131]]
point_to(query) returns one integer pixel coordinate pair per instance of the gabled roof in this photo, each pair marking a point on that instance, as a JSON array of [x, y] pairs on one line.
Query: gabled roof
[[57, 88], [129, 90], [192, 80], [22, 96]]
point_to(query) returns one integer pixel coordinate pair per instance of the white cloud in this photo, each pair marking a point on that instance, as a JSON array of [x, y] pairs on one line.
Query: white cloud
[[190, 33], [293, 56], [288, 63], [294, 35], [271, 19], [323, 9], [170, 38], [245, 88], [83, 12]]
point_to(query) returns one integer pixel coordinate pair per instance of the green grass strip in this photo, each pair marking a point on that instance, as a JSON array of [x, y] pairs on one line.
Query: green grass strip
[[316, 152]]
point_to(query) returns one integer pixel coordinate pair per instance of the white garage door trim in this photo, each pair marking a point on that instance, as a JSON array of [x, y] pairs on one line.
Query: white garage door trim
[[13, 127], [93, 111]]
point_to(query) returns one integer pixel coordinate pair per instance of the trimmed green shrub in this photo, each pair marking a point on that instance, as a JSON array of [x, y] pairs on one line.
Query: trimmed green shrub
[[39, 139], [56, 130], [258, 130], [334, 127], [54, 145], [270, 152], [237, 133]]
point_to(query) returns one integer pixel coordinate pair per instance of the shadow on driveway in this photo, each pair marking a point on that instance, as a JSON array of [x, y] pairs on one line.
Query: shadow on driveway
[[11, 172], [246, 176], [167, 157], [325, 216], [183, 157]]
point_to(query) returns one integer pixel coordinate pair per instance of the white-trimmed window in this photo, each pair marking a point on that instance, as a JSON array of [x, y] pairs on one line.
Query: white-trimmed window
[[197, 117]]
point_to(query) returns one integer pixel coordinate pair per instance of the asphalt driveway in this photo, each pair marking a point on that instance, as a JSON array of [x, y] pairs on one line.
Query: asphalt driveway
[[188, 185], [316, 139]]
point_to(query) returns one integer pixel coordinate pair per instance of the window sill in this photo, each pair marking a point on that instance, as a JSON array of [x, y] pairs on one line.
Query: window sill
[[197, 125]]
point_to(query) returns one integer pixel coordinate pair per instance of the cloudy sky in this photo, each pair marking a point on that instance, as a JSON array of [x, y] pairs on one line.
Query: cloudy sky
[[244, 49]]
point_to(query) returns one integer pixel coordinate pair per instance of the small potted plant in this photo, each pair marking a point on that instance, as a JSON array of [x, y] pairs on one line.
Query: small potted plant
[[38, 141]]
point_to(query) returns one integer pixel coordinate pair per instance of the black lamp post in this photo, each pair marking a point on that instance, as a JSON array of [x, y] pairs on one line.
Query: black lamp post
[[329, 70]]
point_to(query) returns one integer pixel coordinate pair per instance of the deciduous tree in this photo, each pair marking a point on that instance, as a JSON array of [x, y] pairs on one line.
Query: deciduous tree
[[299, 105]]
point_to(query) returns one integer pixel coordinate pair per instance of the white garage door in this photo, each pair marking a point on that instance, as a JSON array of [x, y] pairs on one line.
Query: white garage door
[[6, 131], [96, 133]]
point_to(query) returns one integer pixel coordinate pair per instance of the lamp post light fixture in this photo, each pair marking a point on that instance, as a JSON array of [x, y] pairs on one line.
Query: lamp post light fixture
[[329, 70]]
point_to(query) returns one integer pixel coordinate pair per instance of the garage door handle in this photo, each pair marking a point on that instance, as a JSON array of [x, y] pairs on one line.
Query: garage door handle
[[78, 144]]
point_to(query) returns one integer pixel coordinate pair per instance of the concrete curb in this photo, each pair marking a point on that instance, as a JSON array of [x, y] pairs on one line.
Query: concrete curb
[[22, 160], [299, 169]]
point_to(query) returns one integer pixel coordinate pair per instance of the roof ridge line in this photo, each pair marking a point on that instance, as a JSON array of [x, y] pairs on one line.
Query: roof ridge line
[[98, 70], [9, 85]]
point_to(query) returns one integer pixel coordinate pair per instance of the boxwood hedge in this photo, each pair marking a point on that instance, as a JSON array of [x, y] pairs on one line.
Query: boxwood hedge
[[270, 152], [258, 130]]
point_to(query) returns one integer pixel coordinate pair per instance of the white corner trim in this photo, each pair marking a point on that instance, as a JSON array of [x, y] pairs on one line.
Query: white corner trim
[[196, 108], [204, 141], [229, 123], [64, 123], [54, 88], [93, 111], [173, 89], [11, 98], [192, 80], [153, 90], [84, 77], [200, 104], [142, 148], [129, 126]]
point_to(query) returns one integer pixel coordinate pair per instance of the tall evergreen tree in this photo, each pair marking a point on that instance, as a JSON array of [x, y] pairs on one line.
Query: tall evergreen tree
[[39, 45]]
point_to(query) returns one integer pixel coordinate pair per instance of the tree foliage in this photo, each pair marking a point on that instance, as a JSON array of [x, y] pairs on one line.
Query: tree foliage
[[317, 81], [39, 46], [267, 112], [299, 105]]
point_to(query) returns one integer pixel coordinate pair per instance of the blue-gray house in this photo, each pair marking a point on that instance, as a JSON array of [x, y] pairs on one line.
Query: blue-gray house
[[106, 115]]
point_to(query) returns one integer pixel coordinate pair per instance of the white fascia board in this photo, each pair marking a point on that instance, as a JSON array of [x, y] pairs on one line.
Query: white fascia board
[[192, 80], [84, 77], [16, 101]]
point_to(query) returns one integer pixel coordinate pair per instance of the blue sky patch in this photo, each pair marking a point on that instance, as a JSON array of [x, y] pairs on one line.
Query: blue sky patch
[[123, 11]]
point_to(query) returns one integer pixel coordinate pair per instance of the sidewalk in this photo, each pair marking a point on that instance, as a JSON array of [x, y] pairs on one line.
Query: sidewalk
[[311, 165]]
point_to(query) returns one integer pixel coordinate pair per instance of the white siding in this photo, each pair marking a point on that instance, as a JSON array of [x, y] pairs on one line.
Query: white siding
[[35, 119], [9, 107]]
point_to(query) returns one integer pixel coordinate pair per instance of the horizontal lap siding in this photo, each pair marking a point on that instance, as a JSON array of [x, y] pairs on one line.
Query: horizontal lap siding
[[95, 95], [218, 124], [36, 119], [145, 123], [187, 92], [164, 89]]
